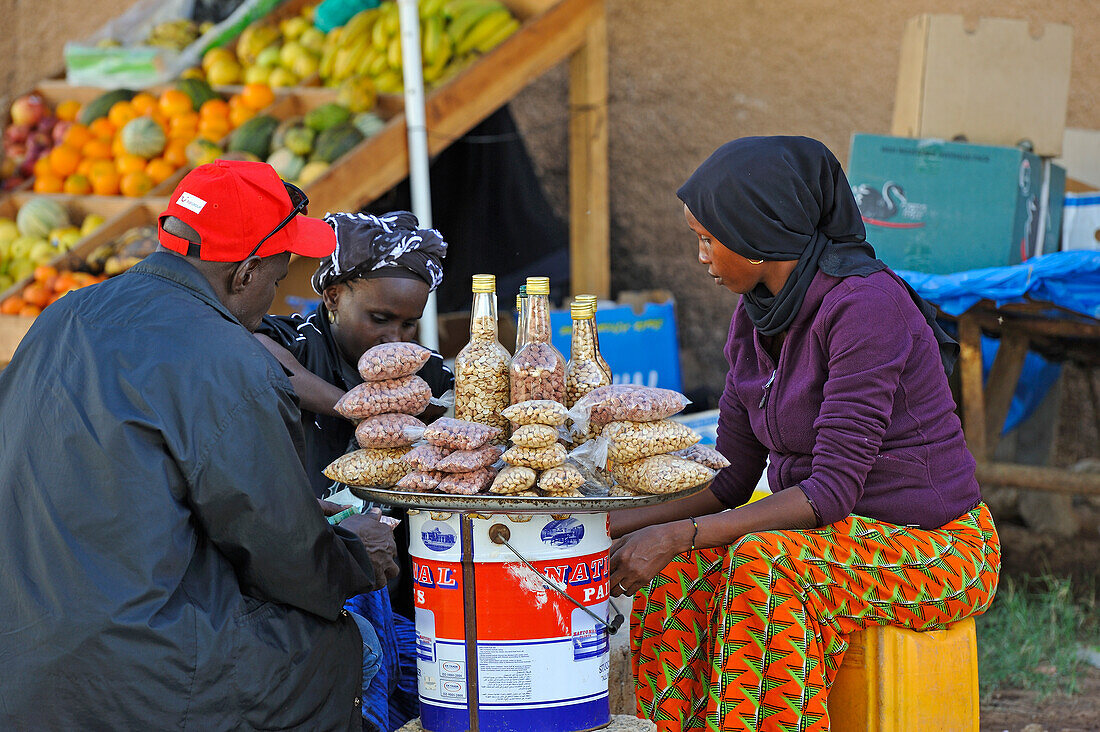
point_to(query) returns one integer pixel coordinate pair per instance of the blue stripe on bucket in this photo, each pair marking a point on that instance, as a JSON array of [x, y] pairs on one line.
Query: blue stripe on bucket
[[1072, 200]]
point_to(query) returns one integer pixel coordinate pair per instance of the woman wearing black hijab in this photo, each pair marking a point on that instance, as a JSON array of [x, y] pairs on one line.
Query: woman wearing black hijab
[[373, 290], [838, 383]]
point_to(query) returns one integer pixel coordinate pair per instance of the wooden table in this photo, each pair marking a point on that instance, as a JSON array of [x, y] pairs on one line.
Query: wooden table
[[1052, 331]]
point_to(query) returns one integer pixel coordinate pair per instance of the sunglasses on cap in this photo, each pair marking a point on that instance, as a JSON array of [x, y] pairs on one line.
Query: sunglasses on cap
[[299, 200]]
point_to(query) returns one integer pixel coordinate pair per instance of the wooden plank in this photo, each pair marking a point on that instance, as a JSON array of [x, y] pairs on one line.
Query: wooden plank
[[1051, 480], [12, 330], [589, 227], [973, 398], [1003, 377]]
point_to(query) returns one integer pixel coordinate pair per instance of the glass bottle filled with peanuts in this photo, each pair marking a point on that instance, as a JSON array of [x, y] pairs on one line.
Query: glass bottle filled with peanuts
[[538, 369], [482, 386], [583, 372]]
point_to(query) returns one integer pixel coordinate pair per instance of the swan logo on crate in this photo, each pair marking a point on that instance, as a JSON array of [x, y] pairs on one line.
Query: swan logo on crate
[[566, 532], [438, 537]]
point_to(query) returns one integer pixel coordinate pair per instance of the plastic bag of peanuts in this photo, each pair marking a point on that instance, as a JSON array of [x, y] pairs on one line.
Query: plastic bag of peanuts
[[465, 461], [535, 435], [386, 430], [704, 455], [454, 434], [660, 474], [627, 402], [406, 395], [425, 458], [536, 411], [375, 467], [392, 361], [538, 458], [467, 484], [627, 441], [564, 480], [513, 479], [420, 481]]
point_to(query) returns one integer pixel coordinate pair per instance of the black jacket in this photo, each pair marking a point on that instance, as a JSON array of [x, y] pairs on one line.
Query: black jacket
[[163, 561]]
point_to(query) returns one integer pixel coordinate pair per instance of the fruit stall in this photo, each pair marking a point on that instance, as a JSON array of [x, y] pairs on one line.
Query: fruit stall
[[324, 107]]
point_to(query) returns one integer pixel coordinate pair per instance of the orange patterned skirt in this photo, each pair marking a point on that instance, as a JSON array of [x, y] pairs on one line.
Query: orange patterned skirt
[[750, 636]]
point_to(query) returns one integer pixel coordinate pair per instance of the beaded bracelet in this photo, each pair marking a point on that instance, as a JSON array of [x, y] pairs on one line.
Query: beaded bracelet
[[694, 533]]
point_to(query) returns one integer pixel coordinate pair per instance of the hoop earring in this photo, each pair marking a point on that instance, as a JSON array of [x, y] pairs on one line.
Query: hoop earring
[[756, 261]]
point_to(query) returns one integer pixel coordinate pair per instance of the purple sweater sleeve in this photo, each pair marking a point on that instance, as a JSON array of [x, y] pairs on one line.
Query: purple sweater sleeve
[[733, 485], [864, 369]]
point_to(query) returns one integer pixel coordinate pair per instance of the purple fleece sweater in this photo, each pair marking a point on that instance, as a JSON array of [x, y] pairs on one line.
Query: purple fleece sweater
[[858, 411]]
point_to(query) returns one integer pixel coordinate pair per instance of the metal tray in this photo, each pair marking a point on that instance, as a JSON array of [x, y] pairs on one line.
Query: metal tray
[[482, 503]]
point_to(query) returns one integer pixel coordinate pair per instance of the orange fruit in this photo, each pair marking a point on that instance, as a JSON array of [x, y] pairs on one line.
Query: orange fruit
[[129, 163], [120, 113], [136, 184], [173, 102], [213, 128], [97, 149], [45, 273], [64, 283], [68, 110], [30, 311], [103, 128], [143, 103], [160, 170], [239, 115], [77, 183], [161, 119], [183, 123], [11, 305], [64, 159], [42, 166], [117, 148], [257, 96], [77, 136], [105, 181], [48, 183], [175, 154], [214, 108], [85, 166], [37, 293]]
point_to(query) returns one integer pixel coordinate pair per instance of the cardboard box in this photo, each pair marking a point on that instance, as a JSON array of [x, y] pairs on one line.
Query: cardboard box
[[1081, 157], [637, 338], [993, 82], [941, 207]]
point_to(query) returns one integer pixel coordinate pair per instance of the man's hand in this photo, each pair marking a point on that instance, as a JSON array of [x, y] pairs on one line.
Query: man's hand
[[377, 537], [329, 508]]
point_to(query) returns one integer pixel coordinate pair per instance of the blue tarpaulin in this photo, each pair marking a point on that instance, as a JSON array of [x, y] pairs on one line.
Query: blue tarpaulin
[[1069, 280]]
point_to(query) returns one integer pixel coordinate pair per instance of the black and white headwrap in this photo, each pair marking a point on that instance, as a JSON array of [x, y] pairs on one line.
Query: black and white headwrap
[[390, 245]]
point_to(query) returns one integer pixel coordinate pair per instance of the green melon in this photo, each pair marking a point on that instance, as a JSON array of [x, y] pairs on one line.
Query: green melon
[[143, 136], [39, 216]]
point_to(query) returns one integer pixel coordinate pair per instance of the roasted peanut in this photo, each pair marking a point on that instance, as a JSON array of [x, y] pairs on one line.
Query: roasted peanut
[[425, 457], [535, 435], [513, 479], [704, 455], [420, 481], [482, 386], [628, 402], [392, 361], [541, 458], [386, 430], [561, 480], [660, 474], [536, 411], [407, 395], [537, 372], [459, 434], [465, 461], [629, 441], [382, 467], [467, 483]]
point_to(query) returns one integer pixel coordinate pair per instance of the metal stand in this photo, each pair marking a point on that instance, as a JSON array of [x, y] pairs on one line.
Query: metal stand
[[469, 609]]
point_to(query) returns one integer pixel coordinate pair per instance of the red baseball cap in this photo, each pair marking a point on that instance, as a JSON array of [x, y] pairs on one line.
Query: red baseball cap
[[234, 205]]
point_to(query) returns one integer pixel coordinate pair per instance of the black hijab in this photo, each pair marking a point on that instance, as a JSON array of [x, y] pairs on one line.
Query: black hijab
[[389, 245], [783, 199]]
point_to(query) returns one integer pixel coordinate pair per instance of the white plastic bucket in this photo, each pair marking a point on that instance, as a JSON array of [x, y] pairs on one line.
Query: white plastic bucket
[[542, 661]]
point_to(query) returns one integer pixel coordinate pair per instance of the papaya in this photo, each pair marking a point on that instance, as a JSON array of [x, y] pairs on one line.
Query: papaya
[[327, 116], [102, 104], [198, 90], [254, 136], [335, 141]]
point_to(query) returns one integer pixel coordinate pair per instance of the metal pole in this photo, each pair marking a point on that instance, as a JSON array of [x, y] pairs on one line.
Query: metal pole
[[469, 612], [416, 124]]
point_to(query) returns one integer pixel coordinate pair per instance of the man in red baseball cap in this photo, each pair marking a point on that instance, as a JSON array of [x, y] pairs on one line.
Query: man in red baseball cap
[[162, 555]]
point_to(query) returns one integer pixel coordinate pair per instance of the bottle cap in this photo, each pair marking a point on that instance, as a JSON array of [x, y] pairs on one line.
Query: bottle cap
[[484, 283], [523, 290], [579, 310], [538, 285]]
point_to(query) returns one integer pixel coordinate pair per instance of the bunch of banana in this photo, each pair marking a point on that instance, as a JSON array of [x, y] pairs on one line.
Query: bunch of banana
[[478, 25], [254, 39], [176, 34]]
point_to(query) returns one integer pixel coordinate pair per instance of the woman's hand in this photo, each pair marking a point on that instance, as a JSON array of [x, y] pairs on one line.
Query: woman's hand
[[637, 557]]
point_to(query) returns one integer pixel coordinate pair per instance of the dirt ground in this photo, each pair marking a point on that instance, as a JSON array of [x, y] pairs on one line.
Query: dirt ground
[[1025, 553]]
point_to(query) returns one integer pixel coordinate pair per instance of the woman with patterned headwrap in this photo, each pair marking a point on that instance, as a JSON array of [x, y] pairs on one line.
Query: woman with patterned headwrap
[[837, 381], [373, 290]]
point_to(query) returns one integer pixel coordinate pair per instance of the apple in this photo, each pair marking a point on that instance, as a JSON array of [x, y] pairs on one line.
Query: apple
[[59, 131], [16, 133], [28, 110]]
